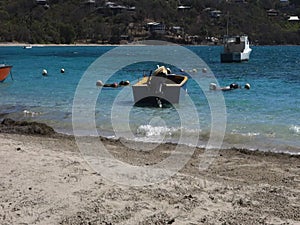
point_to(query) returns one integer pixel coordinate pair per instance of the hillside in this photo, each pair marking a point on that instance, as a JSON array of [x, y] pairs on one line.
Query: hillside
[[122, 21]]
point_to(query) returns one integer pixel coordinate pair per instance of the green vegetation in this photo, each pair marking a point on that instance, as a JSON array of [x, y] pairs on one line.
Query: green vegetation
[[82, 21]]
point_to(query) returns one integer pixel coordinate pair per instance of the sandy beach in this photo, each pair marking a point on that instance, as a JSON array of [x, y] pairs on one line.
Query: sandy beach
[[45, 180], [18, 44]]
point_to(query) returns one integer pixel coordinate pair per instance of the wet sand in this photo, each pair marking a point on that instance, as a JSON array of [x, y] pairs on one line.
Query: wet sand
[[45, 180]]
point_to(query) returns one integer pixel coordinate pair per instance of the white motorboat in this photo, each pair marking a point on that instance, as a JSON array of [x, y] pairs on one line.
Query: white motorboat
[[236, 49], [159, 88], [27, 47]]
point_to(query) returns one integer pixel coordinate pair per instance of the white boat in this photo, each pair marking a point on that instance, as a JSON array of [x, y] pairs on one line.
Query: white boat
[[159, 88], [236, 49], [27, 46]]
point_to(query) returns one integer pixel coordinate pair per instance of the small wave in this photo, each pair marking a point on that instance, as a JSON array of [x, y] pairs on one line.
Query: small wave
[[176, 135], [150, 131], [249, 134], [295, 129], [31, 113]]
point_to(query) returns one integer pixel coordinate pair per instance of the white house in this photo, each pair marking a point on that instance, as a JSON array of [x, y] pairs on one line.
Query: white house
[[293, 18], [155, 27]]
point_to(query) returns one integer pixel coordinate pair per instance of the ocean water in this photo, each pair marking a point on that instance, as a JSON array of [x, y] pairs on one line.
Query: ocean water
[[266, 117]]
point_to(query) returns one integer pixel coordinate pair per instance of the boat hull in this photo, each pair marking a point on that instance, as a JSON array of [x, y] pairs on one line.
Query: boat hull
[[235, 57], [144, 95], [165, 92], [4, 72]]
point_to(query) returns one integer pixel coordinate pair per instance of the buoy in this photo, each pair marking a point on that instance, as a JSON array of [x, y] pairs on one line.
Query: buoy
[[44, 73], [247, 86], [62, 70], [212, 86], [124, 83], [234, 86], [204, 70], [194, 70], [99, 83]]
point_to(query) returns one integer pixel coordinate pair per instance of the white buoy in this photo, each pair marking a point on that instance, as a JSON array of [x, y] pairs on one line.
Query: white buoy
[[212, 86], [44, 73], [247, 86], [62, 70], [204, 70], [99, 83]]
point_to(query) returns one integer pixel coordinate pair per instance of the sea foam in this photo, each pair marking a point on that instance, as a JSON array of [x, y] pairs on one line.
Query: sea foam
[[150, 131], [295, 129]]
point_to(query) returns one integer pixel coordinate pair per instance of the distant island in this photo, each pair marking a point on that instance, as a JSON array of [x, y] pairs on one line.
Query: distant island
[[266, 22]]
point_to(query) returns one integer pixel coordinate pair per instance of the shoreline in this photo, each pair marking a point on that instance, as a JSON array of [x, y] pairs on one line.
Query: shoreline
[[46, 180], [17, 44], [13, 44], [23, 127]]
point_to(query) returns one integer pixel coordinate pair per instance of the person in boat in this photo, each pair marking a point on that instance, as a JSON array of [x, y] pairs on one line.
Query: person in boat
[[158, 79], [231, 87], [161, 72]]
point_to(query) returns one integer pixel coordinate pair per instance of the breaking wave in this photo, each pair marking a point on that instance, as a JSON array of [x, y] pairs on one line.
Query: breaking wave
[[150, 131], [295, 129]]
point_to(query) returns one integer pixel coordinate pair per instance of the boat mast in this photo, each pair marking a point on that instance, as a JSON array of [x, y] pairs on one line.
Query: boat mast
[[227, 22]]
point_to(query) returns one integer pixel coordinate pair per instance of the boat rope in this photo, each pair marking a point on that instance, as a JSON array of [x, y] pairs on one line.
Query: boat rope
[[11, 75]]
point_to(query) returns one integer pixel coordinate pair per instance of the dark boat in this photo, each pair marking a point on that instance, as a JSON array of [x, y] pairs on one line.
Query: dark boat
[[161, 87]]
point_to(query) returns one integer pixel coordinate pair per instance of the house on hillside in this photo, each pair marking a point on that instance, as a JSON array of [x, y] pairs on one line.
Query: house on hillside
[[215, 13], [284, 2], [125, 39], [154, 27], [90, 2], [41, 2], [293, 19], [116, 7], [183, 8], [177, 30], [111, 7], [272, 12]]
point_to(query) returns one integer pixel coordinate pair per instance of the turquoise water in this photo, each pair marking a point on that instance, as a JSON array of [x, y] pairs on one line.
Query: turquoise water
[[265, 117]]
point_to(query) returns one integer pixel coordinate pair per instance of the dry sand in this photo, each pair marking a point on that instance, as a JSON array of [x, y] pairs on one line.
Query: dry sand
[[45, 180], [18, 44]]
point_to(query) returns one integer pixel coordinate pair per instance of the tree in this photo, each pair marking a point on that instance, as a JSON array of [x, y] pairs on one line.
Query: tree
[[67, 34]]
